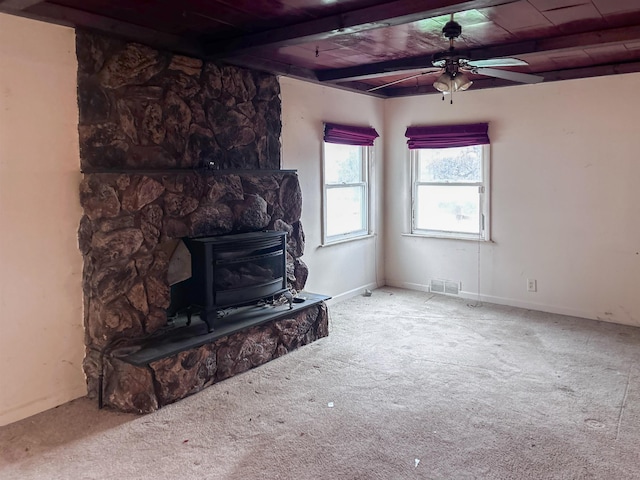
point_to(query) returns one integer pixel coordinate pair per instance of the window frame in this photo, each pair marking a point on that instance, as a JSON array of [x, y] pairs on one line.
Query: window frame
[[367, 152], [485, 199]]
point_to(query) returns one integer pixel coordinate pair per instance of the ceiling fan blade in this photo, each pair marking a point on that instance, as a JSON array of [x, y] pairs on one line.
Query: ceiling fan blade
[[508, 75], [497, 62], [398, 81]]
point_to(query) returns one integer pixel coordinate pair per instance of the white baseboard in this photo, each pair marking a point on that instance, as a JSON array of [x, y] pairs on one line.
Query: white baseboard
[[351, 293], [29, 409], [411, 286], [510, 302], [541, 307]]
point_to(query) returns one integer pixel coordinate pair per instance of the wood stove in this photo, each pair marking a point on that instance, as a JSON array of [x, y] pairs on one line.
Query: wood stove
[[229, 271]]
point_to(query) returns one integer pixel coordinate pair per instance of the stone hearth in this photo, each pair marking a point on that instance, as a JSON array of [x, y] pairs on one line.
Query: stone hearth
[[174, 147], [143, 389]]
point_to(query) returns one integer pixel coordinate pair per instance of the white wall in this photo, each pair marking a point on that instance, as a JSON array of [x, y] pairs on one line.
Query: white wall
[[347, 268], [565, 198], [41, 333]]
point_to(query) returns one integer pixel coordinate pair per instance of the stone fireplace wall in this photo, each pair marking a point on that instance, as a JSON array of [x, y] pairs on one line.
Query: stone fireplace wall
[[141, 108], [130, 220], [174, 147]]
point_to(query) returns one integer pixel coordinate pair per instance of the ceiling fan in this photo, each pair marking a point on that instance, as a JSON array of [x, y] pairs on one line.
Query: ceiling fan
[[454, 64]]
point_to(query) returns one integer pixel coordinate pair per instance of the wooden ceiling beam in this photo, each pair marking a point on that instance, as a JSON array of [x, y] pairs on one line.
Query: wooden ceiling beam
[[274, 67], [71, 17], [544, 45], [549, 76], [388, 14]]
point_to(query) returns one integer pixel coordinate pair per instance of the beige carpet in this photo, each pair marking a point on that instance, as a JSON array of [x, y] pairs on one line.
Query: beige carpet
[[407, 385]]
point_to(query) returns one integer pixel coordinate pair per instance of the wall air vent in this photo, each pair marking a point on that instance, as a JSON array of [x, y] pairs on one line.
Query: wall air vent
[[436, 286], [448, 287]]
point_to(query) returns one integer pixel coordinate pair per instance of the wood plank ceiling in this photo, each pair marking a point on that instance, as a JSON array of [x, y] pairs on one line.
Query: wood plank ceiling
[[361, 44]]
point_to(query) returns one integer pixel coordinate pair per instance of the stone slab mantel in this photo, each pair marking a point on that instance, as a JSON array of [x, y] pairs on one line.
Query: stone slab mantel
[[177, 171]]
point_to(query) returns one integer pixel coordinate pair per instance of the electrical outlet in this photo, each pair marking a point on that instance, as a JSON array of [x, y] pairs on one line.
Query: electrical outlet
[[532, 285]]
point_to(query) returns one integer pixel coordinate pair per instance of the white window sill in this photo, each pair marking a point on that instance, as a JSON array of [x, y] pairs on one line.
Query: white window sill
[[346, 240], [447, 237]]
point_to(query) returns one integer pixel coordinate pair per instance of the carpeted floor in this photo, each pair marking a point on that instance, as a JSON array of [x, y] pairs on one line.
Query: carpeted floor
[[407, 385]]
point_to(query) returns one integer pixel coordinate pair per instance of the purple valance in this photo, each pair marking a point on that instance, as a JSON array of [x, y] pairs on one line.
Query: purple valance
[[348, 135], [447, 136]]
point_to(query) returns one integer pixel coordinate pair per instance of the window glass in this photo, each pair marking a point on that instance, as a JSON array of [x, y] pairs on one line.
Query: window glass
[[343, 163], [449, 209], [344, 210], [450, 192], [345, 191], [459, 165]]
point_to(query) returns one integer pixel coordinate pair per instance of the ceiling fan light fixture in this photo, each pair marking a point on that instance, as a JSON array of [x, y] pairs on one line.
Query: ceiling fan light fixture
[[448, 83], [461, 82], [444, 83]]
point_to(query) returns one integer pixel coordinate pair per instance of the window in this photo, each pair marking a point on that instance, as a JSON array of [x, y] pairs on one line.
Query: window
[[346, 181], [346, 191], [451, 192]]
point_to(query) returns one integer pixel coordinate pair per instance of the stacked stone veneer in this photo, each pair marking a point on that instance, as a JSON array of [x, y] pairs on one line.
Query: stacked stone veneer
[[147, 120], [143, 108]]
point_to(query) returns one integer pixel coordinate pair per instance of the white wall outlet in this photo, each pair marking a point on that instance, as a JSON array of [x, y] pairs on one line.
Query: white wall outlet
[[532, 285]]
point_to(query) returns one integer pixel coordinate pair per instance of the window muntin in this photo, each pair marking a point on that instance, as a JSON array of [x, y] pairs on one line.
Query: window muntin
[[450, 192], [345, 191]]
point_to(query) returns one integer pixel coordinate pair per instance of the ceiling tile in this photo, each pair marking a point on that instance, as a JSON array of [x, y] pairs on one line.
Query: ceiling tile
[[333, 60], [606, 50], [564, 55], [576, 58], [321, 45], [543, 5], [607, 7], [537, 62], [423, 29], [417, 35], [624, 19], [632, 46], [516, 16], [296, 55], [535, 32], [404, 40], [608, 53], [464, 18], [487, 33], [306, 58], [574, 14]]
